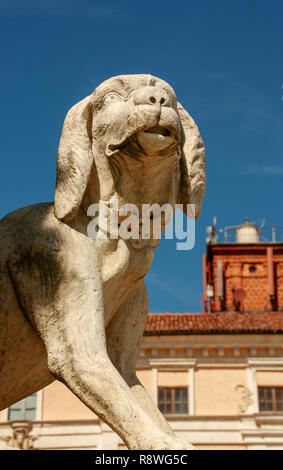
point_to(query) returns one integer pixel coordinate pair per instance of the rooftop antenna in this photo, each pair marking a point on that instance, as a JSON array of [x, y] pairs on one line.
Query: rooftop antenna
[[211, 232]]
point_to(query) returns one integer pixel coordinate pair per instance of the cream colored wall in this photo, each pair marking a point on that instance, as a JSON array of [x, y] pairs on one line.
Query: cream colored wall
[[269, 378], [172, 379], [145, 376], [215, 392], [59, 403]]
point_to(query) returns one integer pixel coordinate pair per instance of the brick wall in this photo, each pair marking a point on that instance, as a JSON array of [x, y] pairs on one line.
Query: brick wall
[[245, 267]]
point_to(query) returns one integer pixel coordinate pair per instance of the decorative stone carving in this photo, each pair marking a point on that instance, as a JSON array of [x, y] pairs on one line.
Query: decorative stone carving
[[172, 352], [236, 351], [190, 352], [74, 307], [246, 397], [142, 353], [154, 352], [21, 437], [5, 443], [205, 352]]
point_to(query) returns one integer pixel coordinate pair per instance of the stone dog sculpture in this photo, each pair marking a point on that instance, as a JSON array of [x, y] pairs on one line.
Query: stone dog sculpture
[[72, 307]]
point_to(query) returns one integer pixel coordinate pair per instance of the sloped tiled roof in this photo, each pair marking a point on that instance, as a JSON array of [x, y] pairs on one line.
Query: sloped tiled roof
[[213, 323]]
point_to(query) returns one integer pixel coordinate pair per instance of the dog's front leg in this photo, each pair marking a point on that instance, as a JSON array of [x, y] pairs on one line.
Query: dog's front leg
[[77, 356], [124, 334]]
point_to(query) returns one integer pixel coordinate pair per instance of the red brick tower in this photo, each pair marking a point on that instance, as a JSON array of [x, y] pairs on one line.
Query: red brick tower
[[245, 274]]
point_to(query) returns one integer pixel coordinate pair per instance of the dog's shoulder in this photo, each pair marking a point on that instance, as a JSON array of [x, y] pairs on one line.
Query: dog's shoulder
[[22, 229]]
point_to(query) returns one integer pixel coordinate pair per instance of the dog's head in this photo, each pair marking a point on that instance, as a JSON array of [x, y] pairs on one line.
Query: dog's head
[[137, 109], [136, 112]]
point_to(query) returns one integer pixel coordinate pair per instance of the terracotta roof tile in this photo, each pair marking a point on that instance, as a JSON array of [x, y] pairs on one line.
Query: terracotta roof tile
[[227, 322]]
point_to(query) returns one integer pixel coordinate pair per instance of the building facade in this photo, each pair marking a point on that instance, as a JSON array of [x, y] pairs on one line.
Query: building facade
[[217, 376]]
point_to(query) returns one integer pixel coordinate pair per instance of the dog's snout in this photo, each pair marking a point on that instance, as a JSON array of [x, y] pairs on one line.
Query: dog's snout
[[151, 95]]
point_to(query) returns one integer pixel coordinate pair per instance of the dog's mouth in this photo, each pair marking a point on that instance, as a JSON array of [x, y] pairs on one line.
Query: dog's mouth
[[152, 139], [158, 130], [157, 139]]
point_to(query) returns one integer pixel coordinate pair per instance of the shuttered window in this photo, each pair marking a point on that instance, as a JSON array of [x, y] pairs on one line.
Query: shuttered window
[[173, 400], [270, 398], [24, 409]]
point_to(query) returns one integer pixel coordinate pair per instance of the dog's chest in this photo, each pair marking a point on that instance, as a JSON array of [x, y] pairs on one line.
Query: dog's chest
[[121, 271]]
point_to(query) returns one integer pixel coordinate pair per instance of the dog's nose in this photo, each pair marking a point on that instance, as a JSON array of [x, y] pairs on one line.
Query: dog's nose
[[151, 95]]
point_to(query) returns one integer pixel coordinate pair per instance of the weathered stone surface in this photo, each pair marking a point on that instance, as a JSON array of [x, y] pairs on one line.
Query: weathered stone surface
[[72, 307]]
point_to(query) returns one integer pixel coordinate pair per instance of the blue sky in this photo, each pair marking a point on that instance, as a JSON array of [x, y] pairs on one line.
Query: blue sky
[[224, 60]]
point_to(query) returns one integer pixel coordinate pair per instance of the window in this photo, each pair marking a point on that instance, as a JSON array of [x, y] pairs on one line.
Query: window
[[270, 398], [24, 409], [173, 400]]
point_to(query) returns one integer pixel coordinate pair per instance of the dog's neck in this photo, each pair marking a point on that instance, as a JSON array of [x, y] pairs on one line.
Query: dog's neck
[[137, 179], [141, 178]]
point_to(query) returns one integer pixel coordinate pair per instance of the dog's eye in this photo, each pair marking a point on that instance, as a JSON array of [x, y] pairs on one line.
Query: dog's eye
[[111, 97]]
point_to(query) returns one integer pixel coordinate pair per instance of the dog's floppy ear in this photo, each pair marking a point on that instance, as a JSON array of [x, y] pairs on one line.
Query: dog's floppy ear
[[74, 160], [192, 164]]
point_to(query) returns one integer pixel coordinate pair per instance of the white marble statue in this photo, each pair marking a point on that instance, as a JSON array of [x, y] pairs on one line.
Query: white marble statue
[[74, 307]]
